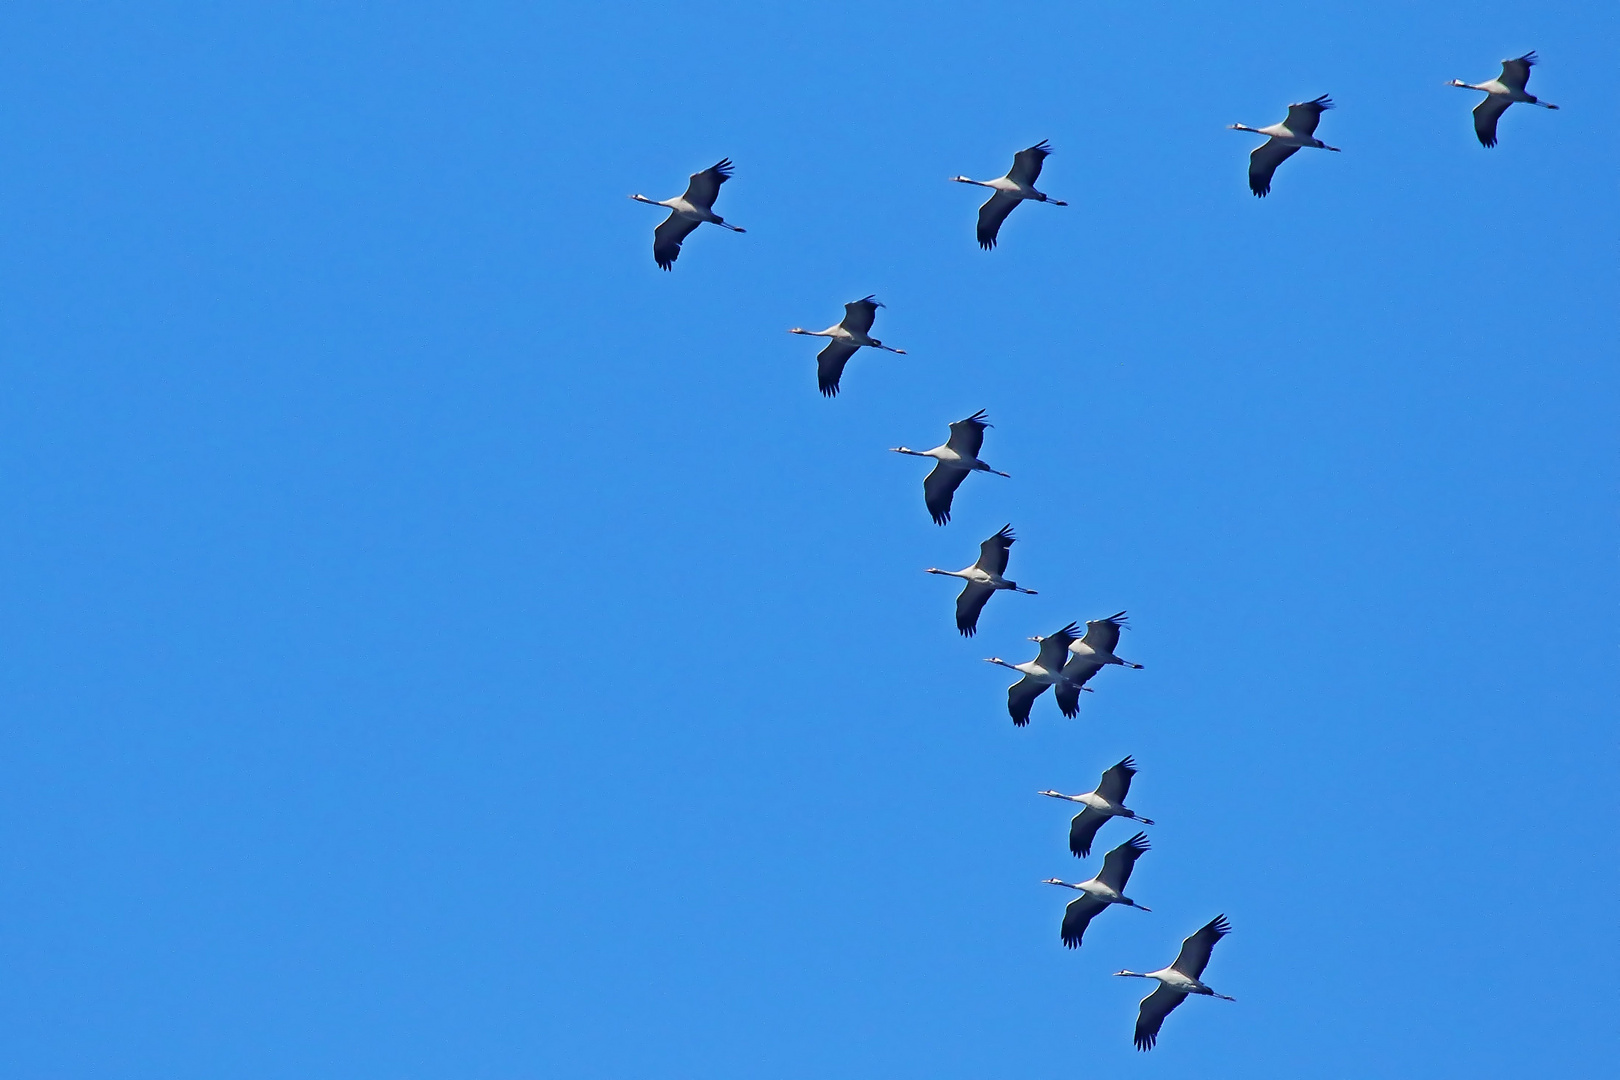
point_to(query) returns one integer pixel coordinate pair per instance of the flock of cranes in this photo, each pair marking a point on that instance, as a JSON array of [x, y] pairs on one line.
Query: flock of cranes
[[1067, 659]]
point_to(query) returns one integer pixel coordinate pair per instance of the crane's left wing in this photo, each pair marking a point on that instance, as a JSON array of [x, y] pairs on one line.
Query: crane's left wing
[[969, 605], [1077, 916], [1155, 1007], [1486, 114], [667, 240], [939, 488], [1083, 830], [1263, 163], [830, 365], [992, 214]]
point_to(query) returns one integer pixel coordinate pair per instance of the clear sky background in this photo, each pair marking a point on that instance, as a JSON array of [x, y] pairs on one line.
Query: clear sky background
[[437, 643]]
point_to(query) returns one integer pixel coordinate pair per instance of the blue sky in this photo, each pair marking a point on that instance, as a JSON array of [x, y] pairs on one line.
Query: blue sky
[[438, 643]]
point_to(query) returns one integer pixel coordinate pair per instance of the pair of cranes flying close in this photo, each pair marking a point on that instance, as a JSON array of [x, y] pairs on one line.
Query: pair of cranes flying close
[[1067, 659], [1295, 132]]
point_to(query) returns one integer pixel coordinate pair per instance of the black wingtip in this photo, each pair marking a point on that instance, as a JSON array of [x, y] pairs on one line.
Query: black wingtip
[[1127, 762], [1139, 842]]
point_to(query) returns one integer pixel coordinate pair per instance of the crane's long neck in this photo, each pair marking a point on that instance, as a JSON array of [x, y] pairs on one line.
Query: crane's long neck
[[967, 180], [649, 202], [1134, 974], [1246, 127], [811, 333], [947, 573]]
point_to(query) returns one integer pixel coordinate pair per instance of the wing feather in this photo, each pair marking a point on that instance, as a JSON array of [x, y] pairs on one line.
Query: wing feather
[[1026, 168], [830, 365], [993, 552], [969, 605], [1021, 697], [992, 214], [1155, 1007], [667, 239], [1117, 864], [858, 315], [1195, 950], [1116, 782], [1077, 916], [704, 186], [1486, 114], [1303, 116], [938, 489], [967, 436], [1083, 830], [1263, 163]]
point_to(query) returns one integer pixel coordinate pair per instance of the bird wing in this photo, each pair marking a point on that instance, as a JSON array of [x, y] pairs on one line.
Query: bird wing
[[1077, 916], [1303, 116], [830, 365], [1486, 114], [1116, 782], [1103, 634], [938, 488], [1194, 955], [968, 606], [1079, 671], [992, 214], [1021, 697], [1264, 161], [1516, 72], [967, 436], [1117, 864], [1054, 647], [667, 239], [1155, 1007], [1083, 830], [1026, 168], [858, 315], [705, 185], [993, 552]]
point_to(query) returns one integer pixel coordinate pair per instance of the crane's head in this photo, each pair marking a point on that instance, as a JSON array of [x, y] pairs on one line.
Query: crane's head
[[1054, 794], [1059, 881]]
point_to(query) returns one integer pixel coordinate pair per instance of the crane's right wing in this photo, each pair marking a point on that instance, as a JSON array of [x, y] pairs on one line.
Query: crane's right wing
[[969, 605], [993, 552], [1054, 647], [1077, 916], [1486, 114], [1083, 830], [1516, 72], [1021, 697], [938, 488], [1303, 116], [992, 214], [1264, 161], [967, 436], [705, 185], [830, 365], [1027, 163], [1103, 634], [1116, 782], [858, 315], [1155, 1007], [1117, 864], [1194, 955]]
